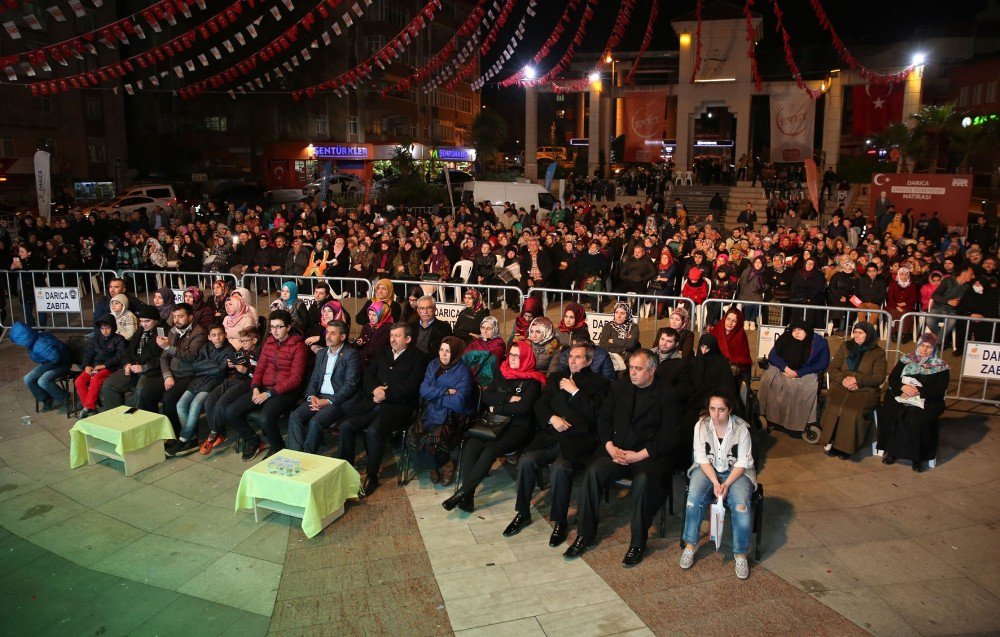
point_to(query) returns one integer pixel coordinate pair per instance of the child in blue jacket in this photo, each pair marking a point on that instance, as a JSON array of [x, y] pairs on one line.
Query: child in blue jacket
[[53, 359]]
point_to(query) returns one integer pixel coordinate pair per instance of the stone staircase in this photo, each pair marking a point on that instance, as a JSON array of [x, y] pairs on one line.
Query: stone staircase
[[739, 195], [696, 198]]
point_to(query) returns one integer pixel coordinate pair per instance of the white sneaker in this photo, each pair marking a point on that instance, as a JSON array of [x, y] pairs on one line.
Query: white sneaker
[[742, 567], [687, 558]]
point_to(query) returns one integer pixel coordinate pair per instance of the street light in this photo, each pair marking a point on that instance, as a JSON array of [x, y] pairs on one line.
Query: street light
[[594, 77], [529, 72], [311, 151], [919, 59]]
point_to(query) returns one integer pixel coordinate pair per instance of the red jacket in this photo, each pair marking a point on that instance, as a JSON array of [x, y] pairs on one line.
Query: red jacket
[[282, 365], [907, 296]]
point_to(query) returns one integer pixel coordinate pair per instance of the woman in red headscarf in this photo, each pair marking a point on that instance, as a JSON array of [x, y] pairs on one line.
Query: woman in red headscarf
[[531, 310], [511, 398], [733, 342], [573, 326]]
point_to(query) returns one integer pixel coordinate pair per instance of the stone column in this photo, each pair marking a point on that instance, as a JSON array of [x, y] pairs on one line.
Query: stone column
[[606, 116], [833, 113], [581, 115], [594, 132], [911, 94], [531, 132]]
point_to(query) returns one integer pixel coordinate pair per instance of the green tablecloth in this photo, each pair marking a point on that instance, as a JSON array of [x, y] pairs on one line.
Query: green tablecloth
[[320, 489], [127, 432]]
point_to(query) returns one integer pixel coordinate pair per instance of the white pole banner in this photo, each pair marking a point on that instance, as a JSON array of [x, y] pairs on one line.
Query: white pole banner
[[43, 183]]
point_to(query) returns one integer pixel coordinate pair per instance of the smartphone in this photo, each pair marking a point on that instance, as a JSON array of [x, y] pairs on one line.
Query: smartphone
[[161, 332], [131, 410]]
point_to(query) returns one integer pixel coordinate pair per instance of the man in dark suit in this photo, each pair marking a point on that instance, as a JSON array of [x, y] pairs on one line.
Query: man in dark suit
[[567, 416], [332, 391], [639, 429], [390, 396], [429, 330]]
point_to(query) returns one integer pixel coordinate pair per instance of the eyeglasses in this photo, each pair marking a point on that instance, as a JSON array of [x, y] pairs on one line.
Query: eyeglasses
[[279, 327]]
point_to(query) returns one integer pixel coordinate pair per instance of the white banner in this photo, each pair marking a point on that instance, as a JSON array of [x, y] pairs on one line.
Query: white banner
[[448, 312], [43, 183], [793, 120], [981, 360], [57, 300]]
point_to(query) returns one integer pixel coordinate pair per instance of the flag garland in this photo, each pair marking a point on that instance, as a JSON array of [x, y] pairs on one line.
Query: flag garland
[[786, 41], [567, 57], [849, 59], [751, 45], [614, 39], [697, 42], [508, 52], [551, 41], [647, 38]]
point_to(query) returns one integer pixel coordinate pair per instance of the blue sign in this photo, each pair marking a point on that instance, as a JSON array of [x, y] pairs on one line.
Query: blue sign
[[454, 154], [550, 174], [342, 151]]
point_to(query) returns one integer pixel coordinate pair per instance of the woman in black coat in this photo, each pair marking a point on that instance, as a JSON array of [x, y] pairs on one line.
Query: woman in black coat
[[809, 288], [469, 319], [513, 393]]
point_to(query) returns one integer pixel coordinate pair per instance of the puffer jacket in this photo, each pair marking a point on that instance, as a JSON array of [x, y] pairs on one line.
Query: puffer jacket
[[109, 351], [43, 348], [282, 365]]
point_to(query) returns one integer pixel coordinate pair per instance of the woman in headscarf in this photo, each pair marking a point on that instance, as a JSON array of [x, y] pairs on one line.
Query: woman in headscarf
[[789, 387], [163, 301], [723, 285], [530, 310], [733, 342], [220, 292], [471, 317], [409, 313], [384, 293], [488, 339], [843, 285], [573, 325], [244, 295], [512, 394], [681, 321], [375, 334], [908, 418], [902, 298], [447, 389], [289, 301], [620, 335], [239, 316], [665, 281], [203, 314], [856, 373], [541, 335], [752, 286], [809, 288], [406, 264], [695, 286], [331, 311], [436, 266]]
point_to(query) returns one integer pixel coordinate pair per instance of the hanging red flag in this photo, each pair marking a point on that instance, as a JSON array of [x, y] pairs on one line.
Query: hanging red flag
[[875, 107]]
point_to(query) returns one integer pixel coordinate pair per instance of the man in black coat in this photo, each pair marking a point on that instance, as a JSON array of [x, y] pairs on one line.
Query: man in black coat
[[567, 415], [142, 363], [390, 395], [639, 430], [429, 331]]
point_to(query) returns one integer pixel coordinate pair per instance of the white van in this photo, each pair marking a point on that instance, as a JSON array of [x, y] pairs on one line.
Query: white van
[[163, 194], [521, 194]]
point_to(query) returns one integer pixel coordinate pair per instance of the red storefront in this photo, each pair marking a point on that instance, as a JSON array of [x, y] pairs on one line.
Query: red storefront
[[295, 164]]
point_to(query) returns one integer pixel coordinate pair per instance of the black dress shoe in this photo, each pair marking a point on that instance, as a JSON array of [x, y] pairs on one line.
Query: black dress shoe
[[467, 504], [369, 488], [633, 556], [578, 547], [517, 525], [454, 501], [558, 536], [888, 458]]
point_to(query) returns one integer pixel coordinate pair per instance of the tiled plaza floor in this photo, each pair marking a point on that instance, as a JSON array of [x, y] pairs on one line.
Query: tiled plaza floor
[[850, 547]]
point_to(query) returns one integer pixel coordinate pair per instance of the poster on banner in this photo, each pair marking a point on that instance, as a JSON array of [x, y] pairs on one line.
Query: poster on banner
[[448, 312], [57, 300], [793, 119], [948, 195], [644, 117], [981, 360]]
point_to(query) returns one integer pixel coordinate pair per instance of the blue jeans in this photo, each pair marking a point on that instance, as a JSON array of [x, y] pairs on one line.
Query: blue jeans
[[188, 410], [40, 382], [700, 495]]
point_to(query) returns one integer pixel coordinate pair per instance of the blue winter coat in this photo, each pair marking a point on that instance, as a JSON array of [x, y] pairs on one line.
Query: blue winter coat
[[434, 391], [43, 348], [818, 361]]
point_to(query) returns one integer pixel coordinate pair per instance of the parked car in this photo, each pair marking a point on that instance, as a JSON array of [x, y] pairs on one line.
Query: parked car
[[339, 183], [128, 204], [164, 194]]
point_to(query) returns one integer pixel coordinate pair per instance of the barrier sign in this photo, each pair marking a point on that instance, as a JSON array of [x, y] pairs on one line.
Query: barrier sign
[[596, 321], [768, 334], [57, 300], [981, 360], [178, 295], [448, 312]]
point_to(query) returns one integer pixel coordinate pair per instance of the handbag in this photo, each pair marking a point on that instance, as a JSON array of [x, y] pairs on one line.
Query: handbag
[[489, 426]]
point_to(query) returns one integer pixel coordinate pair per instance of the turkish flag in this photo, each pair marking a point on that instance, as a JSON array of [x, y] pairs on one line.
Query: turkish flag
[[875, 107]]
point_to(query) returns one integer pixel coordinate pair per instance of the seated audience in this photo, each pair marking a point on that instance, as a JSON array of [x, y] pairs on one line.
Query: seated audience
[[733, 342], [127, 323], [374, 333], [429, 329], [471, 317], [489, 339], [234, 386], [141, 369], [101, 358], [620, 335], [530, 310], [447, 390], [209, 370], [789, 387], [681, 321], [52, 360], [290, 302], [541, 336], [573, 326], [181, 347], [385, 294]]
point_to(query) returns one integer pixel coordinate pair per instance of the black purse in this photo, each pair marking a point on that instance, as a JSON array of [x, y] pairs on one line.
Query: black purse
[[490, 426]]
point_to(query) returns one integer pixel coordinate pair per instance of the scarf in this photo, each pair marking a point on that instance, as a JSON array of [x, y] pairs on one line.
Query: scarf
[[857, 351], [197, 297], [914, 365], [622, 329], [456, 347], [533, 306], [794, 351], [382, 314], [121, 298], [900, 282], [168, 303], [733, 345], [682, 312], [247, 299], [578, 313], [241, 309], [496, 327], [387, 284], [293, 293], [544, 324], [336, 308], [477, 300], [526, 370]]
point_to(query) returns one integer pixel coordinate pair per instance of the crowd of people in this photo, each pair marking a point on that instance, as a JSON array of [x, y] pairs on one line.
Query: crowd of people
[[608, 409]]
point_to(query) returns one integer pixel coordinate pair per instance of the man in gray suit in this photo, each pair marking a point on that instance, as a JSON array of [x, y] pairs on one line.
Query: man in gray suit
[[331, 392]]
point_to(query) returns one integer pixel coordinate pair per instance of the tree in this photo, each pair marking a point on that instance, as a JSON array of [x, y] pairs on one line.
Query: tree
[[934, 126], [899, 137], [489, 132], [401, 159]]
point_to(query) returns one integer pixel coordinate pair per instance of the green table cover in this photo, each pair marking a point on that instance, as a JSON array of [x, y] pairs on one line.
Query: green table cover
[[321, 488], [127, 432]]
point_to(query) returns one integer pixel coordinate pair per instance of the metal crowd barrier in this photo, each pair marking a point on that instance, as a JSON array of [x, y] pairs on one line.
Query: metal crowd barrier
[[352, 293], [143, 283], [503, 301], [975, 345], [600, 309], [57, 300]]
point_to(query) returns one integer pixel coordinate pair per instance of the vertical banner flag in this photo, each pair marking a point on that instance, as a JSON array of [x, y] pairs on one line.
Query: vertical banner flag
[[875, 107], [793, 121], [550, 174], [644, 115], [812, 179], [43, 183]]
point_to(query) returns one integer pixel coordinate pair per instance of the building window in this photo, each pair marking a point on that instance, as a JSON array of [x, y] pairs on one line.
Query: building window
[[216, 124], [305, 171], [963, 97], [353, 127], [390, 12], [321, 127], [95, 150], [93, 108], [282, 127], [6, 146], [43, 104], [465, 104], [977, 94], [991, 92]]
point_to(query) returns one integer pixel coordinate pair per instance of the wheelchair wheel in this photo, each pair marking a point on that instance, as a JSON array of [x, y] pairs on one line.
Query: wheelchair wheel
[[811, 434]]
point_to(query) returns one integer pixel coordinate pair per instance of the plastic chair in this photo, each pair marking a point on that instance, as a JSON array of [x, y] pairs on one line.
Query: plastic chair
[[461, 270]]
